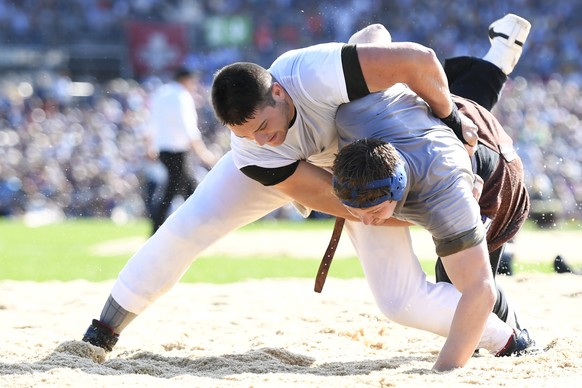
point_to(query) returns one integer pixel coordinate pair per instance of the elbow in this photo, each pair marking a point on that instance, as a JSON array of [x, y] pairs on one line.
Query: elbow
[[428, 58], [374, 33], [424, 65], [487, 295]]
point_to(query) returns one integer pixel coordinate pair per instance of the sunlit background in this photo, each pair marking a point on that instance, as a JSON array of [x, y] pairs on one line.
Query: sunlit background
[[76, 77]]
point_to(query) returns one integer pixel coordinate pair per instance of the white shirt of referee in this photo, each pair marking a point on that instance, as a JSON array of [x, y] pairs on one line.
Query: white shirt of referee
[[173, 118]]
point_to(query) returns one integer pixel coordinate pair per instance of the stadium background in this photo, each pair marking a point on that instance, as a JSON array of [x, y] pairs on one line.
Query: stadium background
[[74, 95], [76, 76]]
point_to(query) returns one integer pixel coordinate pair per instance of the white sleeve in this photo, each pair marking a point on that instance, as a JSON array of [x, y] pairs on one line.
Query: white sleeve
[[189, 116], [314, 79], [314, 74], [248, 153]]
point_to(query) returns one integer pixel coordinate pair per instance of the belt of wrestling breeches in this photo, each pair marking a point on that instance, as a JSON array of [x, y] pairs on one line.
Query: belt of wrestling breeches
[[328, 256]]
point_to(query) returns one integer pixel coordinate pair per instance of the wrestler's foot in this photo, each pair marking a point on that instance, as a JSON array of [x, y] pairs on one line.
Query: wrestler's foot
[[519, 344], [560, 266], [507, 36], [101, 335], [506, 264]]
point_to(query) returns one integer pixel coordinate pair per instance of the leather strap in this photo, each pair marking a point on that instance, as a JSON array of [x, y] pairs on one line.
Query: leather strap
[[329, 252]]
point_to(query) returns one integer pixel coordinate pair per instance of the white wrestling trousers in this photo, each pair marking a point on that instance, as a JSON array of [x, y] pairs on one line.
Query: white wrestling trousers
[[401, 290], [226, 200]]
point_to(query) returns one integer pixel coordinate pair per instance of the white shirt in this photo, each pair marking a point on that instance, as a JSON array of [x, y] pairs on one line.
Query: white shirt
[[173, 118], [314, 79]]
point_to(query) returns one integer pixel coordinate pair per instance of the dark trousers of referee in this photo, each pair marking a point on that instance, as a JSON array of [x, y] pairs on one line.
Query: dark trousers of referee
[[180, 182]]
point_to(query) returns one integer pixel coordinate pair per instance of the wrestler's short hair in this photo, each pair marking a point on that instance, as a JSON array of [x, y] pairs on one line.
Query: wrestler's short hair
[[239, 90], [368, 172]]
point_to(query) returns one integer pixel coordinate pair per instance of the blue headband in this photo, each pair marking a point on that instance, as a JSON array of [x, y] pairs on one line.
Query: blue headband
[[396, 184]]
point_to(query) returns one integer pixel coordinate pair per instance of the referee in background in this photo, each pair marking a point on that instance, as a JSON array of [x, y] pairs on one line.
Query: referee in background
[[174, 133]]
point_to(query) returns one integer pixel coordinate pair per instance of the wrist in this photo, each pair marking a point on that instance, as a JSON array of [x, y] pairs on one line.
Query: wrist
[[453, 121], [453, 116]]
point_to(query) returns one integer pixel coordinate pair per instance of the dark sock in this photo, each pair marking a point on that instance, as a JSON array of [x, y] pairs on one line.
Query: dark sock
[[115, 316]]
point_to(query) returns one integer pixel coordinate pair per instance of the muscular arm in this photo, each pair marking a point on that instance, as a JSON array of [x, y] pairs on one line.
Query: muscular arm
[[470, 272], [384, 65], [311, 186]]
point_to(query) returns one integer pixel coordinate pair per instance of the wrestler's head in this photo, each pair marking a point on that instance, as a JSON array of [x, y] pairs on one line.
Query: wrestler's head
[[369, 178], [252, 104]]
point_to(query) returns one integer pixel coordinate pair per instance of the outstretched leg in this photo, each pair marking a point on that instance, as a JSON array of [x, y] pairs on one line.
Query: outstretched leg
[[225, 200], [475, 79], [482, 80], [401, 290]]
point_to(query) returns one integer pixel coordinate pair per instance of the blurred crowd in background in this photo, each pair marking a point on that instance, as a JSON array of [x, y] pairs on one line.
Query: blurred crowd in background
[[78, 148]]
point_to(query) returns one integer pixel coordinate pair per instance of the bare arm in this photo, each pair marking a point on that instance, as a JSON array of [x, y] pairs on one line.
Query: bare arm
[[470, 272], [200, 149], [384, 65], [311, 186], [428, 74]]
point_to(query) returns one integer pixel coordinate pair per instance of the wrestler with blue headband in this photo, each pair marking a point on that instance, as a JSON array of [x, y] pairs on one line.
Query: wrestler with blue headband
[[369, 179]]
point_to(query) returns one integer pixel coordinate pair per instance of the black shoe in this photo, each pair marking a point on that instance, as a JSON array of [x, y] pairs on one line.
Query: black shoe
[[519, 344], [101, 335], [505, 265], [560, 266]]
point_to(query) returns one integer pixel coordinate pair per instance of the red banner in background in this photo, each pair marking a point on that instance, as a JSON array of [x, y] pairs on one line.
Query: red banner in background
[[156, 48]]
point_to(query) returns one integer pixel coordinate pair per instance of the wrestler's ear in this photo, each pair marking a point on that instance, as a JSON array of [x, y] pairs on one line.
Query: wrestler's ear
[[277, 91]]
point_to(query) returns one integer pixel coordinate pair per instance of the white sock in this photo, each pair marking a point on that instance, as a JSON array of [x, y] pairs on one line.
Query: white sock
[[503, 56]]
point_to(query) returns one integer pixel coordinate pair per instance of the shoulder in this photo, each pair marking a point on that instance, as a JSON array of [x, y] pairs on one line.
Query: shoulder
[[247, 153], [313, 73], [308, 53], [309, 60]]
